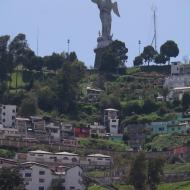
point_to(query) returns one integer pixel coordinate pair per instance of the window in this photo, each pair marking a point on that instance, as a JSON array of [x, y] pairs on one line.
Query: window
[[74, 160], [28, 175], [114, 126], [13, 111], [3, 120], [41, 180], [72, 188], [99, 158], [65, 158], [41, 172], [3, 113], [41, 188], [13, 117]]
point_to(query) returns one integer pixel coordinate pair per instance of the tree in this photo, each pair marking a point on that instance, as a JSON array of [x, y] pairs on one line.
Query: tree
[[169, 49], [66, 86], [138, 173], [28, 106], [155, 172], [72, 57], [56, 184], [46, 98], [148, 54], [113, 57], [160, 59], [5, 58], [20, 52], [149, 106], [185, 101], [35, 63], [54, 62], [138, 61], [10, 179]]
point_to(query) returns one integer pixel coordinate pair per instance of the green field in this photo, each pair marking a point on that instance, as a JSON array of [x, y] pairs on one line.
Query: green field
[[169, 186], [171, 168]]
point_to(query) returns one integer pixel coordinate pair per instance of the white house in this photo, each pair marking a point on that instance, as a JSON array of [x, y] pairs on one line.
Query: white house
[[48, 157], [8, 115], [99, 160], [39, 177], [67, 158], [53, 130], [111, 120], [97, 130]]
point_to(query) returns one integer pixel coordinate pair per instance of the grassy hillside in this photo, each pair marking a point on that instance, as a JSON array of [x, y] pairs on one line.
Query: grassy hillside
[[167, 186]]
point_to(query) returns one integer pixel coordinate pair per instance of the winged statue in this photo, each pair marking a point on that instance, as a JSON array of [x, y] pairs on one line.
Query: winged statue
[[106, 7]]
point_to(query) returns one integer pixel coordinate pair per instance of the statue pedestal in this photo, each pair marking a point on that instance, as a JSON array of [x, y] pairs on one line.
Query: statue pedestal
[[102, 44]]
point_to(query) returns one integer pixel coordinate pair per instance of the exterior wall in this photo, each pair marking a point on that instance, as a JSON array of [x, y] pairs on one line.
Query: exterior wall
[[114, 126], [74, 179], [8, 115], [54, 131], [177, 81], [99, 161], [33, 182], [97, 129], [158, 128], [52, 158]]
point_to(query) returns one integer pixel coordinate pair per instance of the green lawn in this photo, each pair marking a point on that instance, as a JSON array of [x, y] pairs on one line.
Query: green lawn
[[168, 141], [170, 168], [167, 186], [175, 186], [20, 82], [102, 144]]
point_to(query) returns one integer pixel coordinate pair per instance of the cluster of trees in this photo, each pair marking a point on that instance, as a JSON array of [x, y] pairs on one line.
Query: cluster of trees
[[113, 57], [146, 174], [168, 50], [58, 92]]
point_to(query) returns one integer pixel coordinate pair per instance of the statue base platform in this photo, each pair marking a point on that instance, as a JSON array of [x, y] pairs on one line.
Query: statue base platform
[[102, 44]]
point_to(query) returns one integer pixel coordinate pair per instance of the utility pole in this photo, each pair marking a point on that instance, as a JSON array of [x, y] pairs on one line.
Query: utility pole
[[139, 42], [68, 46]]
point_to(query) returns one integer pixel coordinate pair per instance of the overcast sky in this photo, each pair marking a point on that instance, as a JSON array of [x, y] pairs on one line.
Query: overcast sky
[[79, 21]]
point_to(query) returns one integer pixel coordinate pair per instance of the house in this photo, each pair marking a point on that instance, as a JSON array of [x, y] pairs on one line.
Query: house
[[53, 130], [48, 157], [180, 69], [111, 120], [9, 133], [67, 158], [67, 131], [8, 115], [178, 128], [99, 160], [180, 76], [23, 125], [157, 128], [7, 163], [93, 95], [97, 130], [178, 92], [82, 132], [39, 176]]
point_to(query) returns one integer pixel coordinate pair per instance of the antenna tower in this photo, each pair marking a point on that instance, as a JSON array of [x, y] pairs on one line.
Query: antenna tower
[[154, 40]]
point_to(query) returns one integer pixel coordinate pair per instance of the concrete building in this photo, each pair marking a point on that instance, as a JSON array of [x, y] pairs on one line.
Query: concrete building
[[180, 69], [67, 131], [48, 157], [99, 160], [93, 95], [8, 115], [9, 133], [39, 177], [177, 93], [97, 130], [111, 120], [53, 130]]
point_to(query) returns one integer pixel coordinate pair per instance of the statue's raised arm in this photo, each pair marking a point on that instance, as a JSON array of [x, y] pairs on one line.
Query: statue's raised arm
[[115, 9], [95, 1]]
